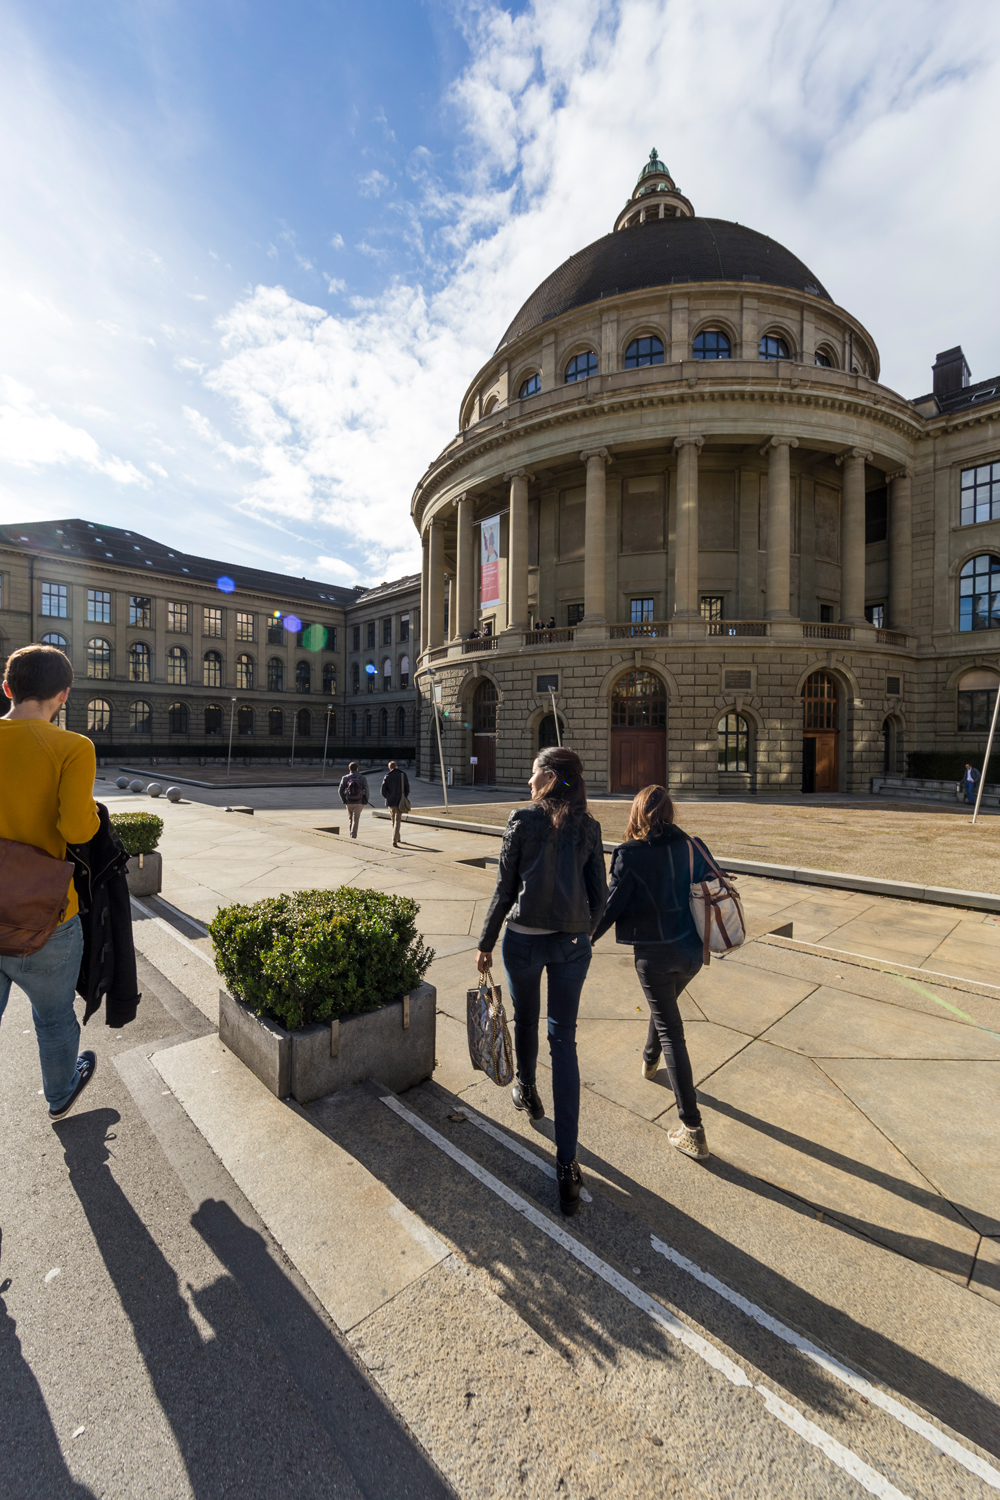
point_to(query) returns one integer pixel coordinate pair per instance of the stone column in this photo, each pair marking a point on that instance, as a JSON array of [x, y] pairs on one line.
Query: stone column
[[424, 574], [594, 591], [901, 550], [779, 528], [686, 529], [852, 537], [463, 594], [435, 585], [517, 552]]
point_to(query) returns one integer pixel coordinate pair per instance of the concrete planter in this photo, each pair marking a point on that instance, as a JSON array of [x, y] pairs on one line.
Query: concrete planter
[[145, 874], [394, 1045]]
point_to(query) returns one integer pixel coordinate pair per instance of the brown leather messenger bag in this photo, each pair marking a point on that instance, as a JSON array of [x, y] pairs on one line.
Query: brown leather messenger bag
[[34, 895]]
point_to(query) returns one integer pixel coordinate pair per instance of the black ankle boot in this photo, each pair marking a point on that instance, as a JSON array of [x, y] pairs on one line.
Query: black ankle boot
[[525, 1096], [570, 1182]]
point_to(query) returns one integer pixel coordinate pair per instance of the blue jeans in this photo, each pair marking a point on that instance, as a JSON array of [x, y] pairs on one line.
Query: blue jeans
[[970, 792], [48, 978], [565, 957]]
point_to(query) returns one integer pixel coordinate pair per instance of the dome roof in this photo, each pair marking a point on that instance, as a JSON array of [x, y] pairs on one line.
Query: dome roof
[[656, 254]]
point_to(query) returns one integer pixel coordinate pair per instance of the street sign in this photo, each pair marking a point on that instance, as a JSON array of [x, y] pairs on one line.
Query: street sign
[[473, 760]]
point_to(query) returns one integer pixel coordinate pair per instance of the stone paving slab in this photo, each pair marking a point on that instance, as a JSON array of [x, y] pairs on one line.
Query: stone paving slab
[[986, 1276], [835, 1023], [732, 995], [610, 1054]]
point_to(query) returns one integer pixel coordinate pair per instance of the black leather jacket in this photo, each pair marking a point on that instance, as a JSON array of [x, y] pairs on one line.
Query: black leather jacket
[[107, 969], [648, 900], [547, 878]]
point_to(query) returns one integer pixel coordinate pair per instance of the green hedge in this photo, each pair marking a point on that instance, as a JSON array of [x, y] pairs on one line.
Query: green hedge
[[139, 831], [949, 765], [314, 955]]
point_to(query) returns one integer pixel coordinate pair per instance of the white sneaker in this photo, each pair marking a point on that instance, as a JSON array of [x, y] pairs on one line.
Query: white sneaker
[[649, 1069], [691, 1142]]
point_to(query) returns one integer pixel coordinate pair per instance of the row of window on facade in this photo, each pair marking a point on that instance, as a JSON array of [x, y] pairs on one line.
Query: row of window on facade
[[307, 724], [386, 677], [55, 605], [370, 633], [140, 667]]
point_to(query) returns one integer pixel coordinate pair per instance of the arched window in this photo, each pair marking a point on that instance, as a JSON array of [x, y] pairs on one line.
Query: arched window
[[275, 721], [387, 676], [303, 723], [275, 675], [734, 743], [822, 359], [977, 693], [354, 726], [355, 678], [98, 716], [303, 677], [490, 407], [771, 347], [177, 666], [404, 671], [644, 351], [55, 639], [140, 662], [140, 717], [177, 718], [820, 694], [330, 677], [639, 701], [368, 724], [979, 593], [581, 367], [244, 675], [244, 720], [484, 708], [383, 724], [547, 732], [213, 718], [530, 387], [60, 719], [712, 343], [400, 723], [211, 669], [99, 660]]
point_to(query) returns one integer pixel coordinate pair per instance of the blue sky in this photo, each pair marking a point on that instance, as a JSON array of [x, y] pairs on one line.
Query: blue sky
[[251, 255]]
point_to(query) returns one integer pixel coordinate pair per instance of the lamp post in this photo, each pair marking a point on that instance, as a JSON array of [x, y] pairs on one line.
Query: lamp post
[[986, 758], [295, 720], [232, 718], [555, 717], [326, 740], [435, 698]]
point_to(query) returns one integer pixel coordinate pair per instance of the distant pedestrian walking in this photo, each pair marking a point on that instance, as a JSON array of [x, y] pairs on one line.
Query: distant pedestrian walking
[[354, 795], [969, 781], [552, 883], [649, 905], [396, 794]]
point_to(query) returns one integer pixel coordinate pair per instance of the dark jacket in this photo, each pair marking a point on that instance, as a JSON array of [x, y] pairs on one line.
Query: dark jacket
[[108, 965], [343, 788], [547, 878], [649, 895], [395, 786]]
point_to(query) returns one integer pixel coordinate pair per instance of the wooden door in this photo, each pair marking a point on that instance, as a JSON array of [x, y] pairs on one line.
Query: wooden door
[[484, 748], [826, 761], [638, 759]]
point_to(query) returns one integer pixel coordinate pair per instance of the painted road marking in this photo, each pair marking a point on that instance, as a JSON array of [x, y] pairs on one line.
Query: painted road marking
[[496, 1134]]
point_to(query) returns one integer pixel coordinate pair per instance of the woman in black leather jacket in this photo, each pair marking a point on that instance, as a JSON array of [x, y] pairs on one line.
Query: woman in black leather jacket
[[649, 903], [552, 884]]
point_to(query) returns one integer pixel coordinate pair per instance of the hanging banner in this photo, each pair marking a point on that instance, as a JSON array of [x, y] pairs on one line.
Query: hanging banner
[[489, 563]]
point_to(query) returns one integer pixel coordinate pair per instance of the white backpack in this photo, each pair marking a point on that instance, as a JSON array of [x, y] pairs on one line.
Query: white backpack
[[716, 907]]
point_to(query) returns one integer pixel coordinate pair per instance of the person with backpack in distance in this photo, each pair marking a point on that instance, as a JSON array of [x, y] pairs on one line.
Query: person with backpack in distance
[[649, 905], [551, 886], [46, 802], [396, 791], [354, 795]]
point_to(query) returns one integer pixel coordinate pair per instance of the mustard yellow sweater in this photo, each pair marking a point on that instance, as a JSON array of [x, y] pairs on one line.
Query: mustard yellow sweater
[[47, 788]]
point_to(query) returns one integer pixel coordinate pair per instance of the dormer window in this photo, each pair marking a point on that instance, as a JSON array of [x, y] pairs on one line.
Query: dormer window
[[711, 344], [581, 367], [771, 347], [530, 387]]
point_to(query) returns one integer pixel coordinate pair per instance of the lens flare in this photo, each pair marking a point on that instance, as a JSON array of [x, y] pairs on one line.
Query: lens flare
[[225, 585]]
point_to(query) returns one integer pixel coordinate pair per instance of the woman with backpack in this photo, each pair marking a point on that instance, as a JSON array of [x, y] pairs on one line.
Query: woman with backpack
[[649, 904], [354, 795], [551, 886]]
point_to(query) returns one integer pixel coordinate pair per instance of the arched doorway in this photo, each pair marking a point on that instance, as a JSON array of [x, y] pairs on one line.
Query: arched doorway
[[638, 732], [821, 733], [547, 735], [484, 733]]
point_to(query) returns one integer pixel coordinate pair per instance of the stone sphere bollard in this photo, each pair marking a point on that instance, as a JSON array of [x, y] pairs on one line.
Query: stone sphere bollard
[[122, 782], [154, 789], [173, 794], [136, 786]]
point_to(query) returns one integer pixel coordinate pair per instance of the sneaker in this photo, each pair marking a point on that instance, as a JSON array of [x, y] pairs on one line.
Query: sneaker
[[86, 1067], [570, 1181], [649, 1069], [691, 1142], [525, 1096]]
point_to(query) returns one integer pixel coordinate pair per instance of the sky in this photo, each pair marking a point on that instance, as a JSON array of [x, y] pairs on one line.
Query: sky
[[251, 255]]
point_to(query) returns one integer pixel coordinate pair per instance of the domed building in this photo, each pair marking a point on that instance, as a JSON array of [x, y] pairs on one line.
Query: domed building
[[682, 517]]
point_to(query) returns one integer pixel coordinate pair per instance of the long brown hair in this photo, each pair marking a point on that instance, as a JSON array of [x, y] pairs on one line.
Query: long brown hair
[[564, 797], [652, 811]]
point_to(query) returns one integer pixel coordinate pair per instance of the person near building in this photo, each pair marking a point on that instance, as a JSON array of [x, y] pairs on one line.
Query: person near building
[[552, 623], [649, 906], [551, 886], [354, 795], [969, 781], [395, 790], [47, 801]]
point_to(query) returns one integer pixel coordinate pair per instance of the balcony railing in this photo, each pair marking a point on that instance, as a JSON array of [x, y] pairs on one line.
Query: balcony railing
[[828, 632], [738, 627], [646, 629], [547, 637], [482, 643], [891, 638]]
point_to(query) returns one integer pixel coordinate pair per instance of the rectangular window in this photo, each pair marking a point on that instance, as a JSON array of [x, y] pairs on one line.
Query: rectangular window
[[975, 711], [642, 610], [356, 638], [371, 633], [177, 618], [140, 611], [875, 615], [877, 515], [404, 627], [711, 606], [98, 606], [212, 622], [387, 632], [331, 638], [574, 614], [981, 494], [275, 632], [55, 600], [244, 626], [893, 687], [826, 614]]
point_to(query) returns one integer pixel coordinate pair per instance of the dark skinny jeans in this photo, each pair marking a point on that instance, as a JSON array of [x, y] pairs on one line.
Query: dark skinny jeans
[[565, 957], [662, 982]]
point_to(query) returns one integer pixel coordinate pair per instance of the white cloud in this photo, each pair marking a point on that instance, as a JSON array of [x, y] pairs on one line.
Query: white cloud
[[335, 285], [337, 242], [32, 436], [155, 468], [341, 571], [373, 184]]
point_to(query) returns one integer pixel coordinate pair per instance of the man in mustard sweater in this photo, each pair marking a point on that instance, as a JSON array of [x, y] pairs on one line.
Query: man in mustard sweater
[[47, 799]]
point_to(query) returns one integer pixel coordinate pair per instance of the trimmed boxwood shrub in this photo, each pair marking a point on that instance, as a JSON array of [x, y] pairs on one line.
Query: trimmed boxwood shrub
[[139, 831], [314, 955]]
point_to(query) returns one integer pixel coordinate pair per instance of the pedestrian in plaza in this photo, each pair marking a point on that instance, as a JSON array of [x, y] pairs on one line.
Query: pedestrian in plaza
[[551, 886], [47, 802], [969, 781], [396, 791], [649, 905], [354, 795]]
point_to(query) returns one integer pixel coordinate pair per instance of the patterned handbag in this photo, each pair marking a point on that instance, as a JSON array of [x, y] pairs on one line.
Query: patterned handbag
[[489, 1039]]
